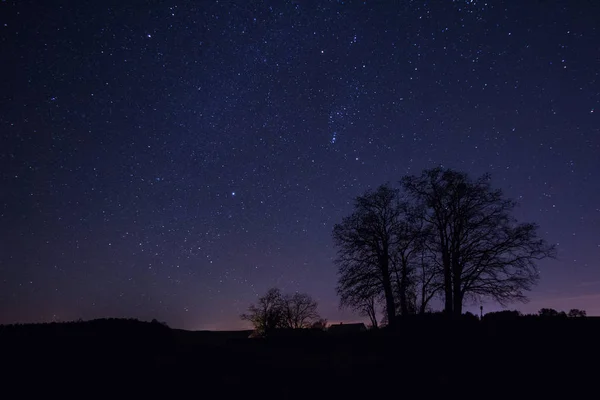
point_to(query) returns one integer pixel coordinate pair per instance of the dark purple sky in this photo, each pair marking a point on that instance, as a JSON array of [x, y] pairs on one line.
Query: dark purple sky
[[177, 159]]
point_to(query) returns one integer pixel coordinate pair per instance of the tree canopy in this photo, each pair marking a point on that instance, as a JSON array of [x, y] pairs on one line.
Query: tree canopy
[[277, 311], [441, 233]]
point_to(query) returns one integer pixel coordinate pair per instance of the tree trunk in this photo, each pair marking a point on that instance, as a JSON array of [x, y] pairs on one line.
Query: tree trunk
[[373, 318], [403, 286], [457, 294], [422, 306], [369, 308], [448, 309], [390, 306], [458, 299]]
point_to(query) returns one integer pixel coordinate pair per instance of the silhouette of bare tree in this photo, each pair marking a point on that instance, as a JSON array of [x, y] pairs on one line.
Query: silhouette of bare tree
[[479, 247], [299, 310]]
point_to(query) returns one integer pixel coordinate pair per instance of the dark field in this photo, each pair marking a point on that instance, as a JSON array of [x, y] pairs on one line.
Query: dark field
[[422, 357]]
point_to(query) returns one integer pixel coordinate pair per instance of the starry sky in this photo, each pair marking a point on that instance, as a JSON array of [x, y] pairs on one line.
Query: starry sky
[[175, 159]]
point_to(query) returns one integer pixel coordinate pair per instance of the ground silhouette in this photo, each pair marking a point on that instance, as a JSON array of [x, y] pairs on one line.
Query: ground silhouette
[[424, 355]]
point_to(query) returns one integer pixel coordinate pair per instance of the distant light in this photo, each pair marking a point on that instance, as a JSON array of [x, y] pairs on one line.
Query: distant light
[[233, 193]]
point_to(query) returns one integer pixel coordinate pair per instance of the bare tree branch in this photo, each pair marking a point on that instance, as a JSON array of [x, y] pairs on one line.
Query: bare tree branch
[[480, 248]]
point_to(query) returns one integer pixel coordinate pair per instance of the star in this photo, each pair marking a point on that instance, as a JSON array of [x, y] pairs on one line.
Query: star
[[204, 130]]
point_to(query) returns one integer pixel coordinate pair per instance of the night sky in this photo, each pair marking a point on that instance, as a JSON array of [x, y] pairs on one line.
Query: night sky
[[174, 160]]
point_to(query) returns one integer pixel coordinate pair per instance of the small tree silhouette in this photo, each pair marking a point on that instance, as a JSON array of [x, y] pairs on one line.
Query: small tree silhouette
[[576, 313], [320, 324], [299, 310], [275, 311], [267, 314], [552, 313]]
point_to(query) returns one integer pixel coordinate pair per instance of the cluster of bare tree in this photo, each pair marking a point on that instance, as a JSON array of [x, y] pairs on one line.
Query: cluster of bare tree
[[551, 312], [277, 311], [508, 315], [439, 234]]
